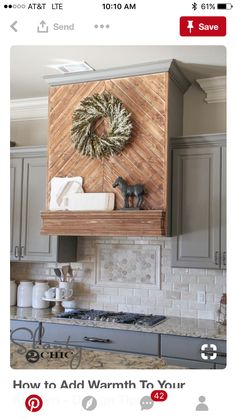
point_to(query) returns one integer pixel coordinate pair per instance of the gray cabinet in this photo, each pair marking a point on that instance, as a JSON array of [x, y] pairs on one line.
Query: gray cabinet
[[15, 206], [183, 351], [28, 189], [199, 202], [191, 352], [101, 338], [223, 259]]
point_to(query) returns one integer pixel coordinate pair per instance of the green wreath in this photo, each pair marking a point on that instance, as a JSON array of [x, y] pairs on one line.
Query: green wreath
[[92, 108]]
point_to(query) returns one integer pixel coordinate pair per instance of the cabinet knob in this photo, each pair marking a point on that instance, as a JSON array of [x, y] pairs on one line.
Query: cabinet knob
[[22, 251], [217, 258]]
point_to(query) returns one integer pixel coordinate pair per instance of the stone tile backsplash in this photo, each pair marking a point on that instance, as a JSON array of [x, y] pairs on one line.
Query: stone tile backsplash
[[136, 264], [134, 274]]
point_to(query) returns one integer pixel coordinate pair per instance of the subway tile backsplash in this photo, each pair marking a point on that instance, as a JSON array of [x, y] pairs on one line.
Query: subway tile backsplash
[[134, 274]]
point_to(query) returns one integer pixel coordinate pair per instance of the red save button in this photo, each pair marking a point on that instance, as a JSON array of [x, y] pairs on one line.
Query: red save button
[[203, 26]]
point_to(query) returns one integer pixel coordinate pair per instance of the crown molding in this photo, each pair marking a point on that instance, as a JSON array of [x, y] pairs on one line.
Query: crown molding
[[119, 72], [28, 151], [29, 108], [214, 89], [203, 140]]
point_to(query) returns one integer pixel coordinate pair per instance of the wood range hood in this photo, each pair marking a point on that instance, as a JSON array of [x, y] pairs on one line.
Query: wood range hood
[[153, 94]]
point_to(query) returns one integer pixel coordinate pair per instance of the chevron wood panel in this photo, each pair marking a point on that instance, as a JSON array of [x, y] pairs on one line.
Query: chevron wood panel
[[142, 161], [63, 160]]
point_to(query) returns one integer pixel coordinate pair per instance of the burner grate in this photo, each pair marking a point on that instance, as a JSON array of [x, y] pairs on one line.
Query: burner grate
[[110, 316]]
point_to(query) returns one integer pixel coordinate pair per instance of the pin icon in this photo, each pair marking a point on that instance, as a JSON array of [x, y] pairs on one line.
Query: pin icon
[[33, 403], [190, 25]]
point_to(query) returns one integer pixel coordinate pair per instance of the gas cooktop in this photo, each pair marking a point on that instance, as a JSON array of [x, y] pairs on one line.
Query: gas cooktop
[[111, 316]]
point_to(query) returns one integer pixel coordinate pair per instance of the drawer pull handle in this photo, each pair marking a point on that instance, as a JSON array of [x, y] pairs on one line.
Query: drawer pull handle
[[16, 251], [221, 354], [98, 340], [210, 352]]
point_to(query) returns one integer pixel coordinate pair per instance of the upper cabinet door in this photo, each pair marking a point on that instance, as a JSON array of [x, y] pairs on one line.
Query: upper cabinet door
[[15, 203], [34, 246], [196, 207]]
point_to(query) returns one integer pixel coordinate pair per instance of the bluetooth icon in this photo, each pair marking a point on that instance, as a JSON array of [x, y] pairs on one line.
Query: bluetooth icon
[[194, 6]]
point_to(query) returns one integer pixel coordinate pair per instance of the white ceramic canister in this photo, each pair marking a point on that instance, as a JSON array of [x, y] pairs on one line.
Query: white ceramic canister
[[38, 294], [13, 288], [24, 294]]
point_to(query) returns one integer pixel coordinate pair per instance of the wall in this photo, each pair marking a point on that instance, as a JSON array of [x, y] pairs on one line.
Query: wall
[[209, 118], [134, 274], [34, 132]]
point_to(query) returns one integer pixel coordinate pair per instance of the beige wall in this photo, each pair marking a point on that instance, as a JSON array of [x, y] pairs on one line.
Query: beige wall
[[201, 117], [33, 132]]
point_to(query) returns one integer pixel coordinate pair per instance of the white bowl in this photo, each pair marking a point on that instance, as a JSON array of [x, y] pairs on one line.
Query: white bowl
[[70, 304]]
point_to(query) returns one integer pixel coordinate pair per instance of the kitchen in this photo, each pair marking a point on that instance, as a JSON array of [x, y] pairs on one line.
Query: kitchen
[[168, 259]]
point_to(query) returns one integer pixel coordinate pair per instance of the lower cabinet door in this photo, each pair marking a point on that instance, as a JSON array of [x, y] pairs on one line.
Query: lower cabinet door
[[200, 350], [100, 338]]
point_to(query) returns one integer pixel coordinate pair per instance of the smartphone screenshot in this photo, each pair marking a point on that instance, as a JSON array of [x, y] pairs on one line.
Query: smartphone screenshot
[[117, 182]]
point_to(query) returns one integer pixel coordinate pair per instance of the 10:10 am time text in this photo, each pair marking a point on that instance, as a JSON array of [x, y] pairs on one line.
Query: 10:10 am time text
[[119, 6]]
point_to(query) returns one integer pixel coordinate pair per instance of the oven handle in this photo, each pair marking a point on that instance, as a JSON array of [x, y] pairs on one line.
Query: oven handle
[[98, 340]]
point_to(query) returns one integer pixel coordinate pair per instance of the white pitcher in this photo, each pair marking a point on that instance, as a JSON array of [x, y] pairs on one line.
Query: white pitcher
[[68, 287]]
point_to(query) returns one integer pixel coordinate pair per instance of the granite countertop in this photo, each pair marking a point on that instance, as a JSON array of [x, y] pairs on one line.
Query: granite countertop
[[85, 359], [180, 326]]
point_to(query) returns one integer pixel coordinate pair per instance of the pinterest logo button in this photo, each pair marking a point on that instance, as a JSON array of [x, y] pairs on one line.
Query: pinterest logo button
[[33, 403]]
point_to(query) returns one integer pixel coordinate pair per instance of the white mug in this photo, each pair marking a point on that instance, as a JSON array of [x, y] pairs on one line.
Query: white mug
[[60, 293], [67, 287]]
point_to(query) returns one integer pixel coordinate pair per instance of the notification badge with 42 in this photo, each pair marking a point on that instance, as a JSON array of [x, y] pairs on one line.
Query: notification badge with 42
[[159, 395]]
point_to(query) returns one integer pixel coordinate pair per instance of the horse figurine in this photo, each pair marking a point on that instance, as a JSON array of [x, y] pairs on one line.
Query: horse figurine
[[130, 190]]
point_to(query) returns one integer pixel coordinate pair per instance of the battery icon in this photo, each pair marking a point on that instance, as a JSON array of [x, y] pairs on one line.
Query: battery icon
[[224, 6]]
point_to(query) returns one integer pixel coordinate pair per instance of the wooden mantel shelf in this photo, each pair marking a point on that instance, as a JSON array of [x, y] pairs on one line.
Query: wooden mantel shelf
[[107, 223]]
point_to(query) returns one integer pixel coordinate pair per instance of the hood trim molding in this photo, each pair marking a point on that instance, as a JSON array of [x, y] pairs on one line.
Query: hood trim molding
[[164, 66], [104, 223]]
